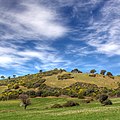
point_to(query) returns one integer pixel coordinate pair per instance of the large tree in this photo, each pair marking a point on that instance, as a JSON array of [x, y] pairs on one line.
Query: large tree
[[92, 71], [14, 76], [102, 72], [25, 100], [3, 77], [109, 74]]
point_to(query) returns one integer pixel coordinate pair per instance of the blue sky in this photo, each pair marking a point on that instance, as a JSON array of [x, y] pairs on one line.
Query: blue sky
[[47, 34]]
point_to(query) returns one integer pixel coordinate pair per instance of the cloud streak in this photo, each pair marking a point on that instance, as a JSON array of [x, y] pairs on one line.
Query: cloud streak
[[44, 34], [33, 22]]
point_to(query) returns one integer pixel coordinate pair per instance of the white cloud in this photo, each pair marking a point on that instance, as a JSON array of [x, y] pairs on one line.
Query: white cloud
[[106, 30], [34, 22], [39, 56]]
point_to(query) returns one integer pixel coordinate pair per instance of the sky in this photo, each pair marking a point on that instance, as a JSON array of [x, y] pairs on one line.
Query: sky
[[46, 34]]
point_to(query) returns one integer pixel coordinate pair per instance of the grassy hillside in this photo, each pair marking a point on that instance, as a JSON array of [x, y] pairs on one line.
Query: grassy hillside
[[52, 79], [59, 82], [78, 77], [10, 110]]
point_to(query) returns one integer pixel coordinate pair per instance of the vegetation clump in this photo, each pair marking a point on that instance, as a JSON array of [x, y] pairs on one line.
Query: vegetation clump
[[70, 104], [104, 100], [76, 71], [107, 102], [64, 76]]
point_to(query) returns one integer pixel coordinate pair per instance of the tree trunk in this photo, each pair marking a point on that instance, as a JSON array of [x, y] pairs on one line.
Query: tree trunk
[[25, 107]]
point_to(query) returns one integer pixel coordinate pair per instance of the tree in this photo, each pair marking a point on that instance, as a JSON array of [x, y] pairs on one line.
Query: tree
[[9, 77], [40, 71], [76, 71], [25, 100], [14, 76], [102, 72], [109, 74], [92, 71], [3, 77]]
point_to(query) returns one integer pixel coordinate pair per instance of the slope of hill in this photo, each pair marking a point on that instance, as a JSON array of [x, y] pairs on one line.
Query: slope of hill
[[52, 80], [81, 77], [59, 82]]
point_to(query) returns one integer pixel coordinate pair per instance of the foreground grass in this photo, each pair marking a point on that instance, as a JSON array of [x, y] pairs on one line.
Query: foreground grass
[[10, 110]]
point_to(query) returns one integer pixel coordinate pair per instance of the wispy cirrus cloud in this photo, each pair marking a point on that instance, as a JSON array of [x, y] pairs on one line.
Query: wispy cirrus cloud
[[30, 20], [42, 34], [101, 28], [105, 36], [40, 56]]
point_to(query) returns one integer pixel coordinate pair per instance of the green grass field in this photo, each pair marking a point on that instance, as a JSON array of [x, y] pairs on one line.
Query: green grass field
[[10, 110]]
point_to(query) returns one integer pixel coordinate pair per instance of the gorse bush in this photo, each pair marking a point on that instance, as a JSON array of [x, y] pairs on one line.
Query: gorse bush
[[70, 104], [31, 93], [102, 98], [107, 102]]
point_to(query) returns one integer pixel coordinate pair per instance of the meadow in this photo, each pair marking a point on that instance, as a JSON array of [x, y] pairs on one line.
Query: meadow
[[40, 110]]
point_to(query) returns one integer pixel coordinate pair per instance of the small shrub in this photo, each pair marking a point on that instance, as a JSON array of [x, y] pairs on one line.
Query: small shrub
[[31, 93], [36, 85], [64, 76], [39, 93], [16, 86], [102, 98], [70, 104], [107, 102], [80, 96]]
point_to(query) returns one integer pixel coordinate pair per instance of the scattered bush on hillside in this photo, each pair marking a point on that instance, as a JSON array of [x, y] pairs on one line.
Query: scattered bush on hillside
[[109, 74], [102, 72], [16, 86], [107, 102], [29, 85], [31, 93], [38, 83], [53, 72], [39, 93], [64, 76], [76, 71], [70, 104], [92, 71], [104, 100], [9, 94], [49, 91], [103, 97], [81, 94]]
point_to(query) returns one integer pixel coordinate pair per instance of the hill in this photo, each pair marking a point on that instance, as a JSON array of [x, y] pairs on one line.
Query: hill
[[57, 82]]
